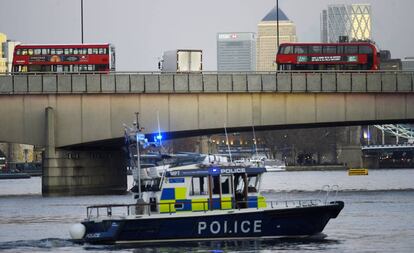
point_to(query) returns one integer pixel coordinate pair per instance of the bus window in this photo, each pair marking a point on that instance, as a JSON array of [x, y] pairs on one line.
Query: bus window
[[34, 68], [59, 51], [30, 51], [340, 50], [66, 51], [365, 50], [329, 49], [52, 51], [286, 67], [89, 50], [46, 68], [66, 68], [95, 51], [24, 52], [286, 50], [82, 67], [18, 52], [303, 67], [102, 67], [75, 51], [301, 50], [45, 51], [58, 68], [331, 67], [351, 49], [351, 67], [37, 51], [315, 49], [101, 51], [75, 68]]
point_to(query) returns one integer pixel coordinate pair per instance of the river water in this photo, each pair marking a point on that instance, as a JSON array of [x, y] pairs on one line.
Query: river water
[[378, 216]]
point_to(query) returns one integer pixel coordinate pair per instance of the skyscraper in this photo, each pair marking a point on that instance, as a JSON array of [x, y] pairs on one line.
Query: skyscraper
[[236, 51], [6, 53], [3, 57], [352, 21], [266, 38]]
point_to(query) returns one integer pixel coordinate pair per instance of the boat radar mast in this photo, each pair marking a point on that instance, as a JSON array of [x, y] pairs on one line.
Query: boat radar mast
[[135, 133]]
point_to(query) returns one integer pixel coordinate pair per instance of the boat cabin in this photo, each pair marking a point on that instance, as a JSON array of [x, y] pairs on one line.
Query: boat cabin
[[211, 188]]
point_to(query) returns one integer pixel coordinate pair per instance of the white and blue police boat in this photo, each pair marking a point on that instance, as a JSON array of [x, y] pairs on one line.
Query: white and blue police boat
[[205, 202]]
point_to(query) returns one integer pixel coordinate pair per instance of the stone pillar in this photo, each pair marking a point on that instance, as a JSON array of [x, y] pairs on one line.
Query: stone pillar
[[49, 160], [351, 156], [80, 172], [348, 148], [370, 161], [90, 172], [204, 145]]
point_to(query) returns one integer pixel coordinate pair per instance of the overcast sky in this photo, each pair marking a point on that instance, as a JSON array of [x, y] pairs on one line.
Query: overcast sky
[[142, 30]]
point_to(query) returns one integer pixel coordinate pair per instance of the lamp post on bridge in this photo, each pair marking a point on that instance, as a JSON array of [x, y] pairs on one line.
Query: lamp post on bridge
[[81, 21], [277, 24]]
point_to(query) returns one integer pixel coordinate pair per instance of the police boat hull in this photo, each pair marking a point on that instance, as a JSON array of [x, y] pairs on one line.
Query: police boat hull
[[216, 225]]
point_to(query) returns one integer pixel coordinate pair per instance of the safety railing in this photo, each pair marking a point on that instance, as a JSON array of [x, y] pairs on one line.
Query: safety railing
[[207, 82], [327, 190], [123, 210]]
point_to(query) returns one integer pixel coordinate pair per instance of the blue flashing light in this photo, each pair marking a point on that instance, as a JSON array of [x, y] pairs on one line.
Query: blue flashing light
[[214, 171], [157, 137]]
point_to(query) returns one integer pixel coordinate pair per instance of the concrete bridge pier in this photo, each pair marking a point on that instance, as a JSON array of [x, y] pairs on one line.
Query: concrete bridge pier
[[80, 172], [370, 161], [350, 155]]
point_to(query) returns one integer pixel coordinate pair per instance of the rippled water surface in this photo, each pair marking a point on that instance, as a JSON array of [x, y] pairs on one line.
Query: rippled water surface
[[378, 216]]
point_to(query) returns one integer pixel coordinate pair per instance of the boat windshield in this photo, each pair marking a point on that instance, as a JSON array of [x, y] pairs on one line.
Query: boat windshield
[[252, 183]]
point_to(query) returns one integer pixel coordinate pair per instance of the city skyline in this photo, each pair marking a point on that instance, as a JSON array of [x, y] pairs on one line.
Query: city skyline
[[141, 30]]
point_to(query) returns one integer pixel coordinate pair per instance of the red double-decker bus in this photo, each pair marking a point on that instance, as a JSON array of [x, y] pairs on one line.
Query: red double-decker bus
[[64, 58], [328, 56]]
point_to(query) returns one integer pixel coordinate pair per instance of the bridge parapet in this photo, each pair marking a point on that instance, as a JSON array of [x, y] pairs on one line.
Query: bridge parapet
[[208, 82]]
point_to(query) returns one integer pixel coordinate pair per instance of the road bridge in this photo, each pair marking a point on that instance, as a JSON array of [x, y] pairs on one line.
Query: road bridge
[[63, 111]]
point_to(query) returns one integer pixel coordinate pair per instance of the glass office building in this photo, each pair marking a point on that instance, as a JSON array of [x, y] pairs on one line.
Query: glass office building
[[351, 21], [236, 51]]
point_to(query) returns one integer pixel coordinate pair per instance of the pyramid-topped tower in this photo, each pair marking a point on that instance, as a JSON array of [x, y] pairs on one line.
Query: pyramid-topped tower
[[266, 48]]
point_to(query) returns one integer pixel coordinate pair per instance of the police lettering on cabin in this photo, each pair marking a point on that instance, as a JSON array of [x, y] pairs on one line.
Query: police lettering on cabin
[[233, 170], [225, 227]]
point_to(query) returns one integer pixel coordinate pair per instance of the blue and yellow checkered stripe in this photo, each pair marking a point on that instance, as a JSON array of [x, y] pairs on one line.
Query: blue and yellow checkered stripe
[[256, 202], [172, 196]]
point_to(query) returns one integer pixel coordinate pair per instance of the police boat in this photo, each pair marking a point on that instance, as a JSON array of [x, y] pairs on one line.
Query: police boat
[[204, 202]]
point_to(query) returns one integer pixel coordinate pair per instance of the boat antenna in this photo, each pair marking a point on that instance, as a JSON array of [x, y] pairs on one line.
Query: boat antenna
[[137, 133], [227, 141]]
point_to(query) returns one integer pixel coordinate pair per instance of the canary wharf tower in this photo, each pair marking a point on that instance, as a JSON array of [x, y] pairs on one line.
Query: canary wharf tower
[[352, 21]]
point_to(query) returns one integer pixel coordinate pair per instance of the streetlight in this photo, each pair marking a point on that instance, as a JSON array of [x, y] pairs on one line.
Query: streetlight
[[82, 21], [277, 24]]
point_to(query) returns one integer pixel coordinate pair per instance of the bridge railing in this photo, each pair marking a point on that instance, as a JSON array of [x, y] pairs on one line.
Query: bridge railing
[[208, 82]]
